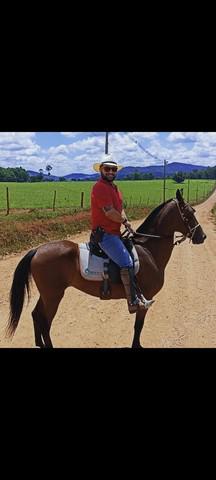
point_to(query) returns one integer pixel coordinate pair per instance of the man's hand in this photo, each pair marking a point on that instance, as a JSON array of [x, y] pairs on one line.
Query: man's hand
[[127, 224]]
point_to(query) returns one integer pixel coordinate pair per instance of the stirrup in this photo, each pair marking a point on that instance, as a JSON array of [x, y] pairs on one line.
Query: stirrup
[[147, 303], [136, 305]]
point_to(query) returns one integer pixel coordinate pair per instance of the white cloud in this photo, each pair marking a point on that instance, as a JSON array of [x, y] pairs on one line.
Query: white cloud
[[81, 150], [144, 135], [58, 150], [181, 136], [20, 138], [70, 134], [19, 149]]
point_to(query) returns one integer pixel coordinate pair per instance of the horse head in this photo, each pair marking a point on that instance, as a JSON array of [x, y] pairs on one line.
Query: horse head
[[189, 225], [175, 215]]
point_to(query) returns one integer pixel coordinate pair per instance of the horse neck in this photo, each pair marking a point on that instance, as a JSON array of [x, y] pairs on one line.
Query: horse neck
[[161, 250], [164, 225], [166, 222]]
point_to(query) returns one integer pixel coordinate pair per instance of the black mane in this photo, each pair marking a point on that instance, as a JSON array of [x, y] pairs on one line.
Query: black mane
[[145, 226]]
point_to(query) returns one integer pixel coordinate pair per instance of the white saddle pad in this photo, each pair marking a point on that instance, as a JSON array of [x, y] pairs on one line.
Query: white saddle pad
[[92, 267]]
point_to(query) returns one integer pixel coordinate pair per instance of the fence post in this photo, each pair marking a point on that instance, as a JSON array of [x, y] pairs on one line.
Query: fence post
[[197, 193], [188, 192], [7, 200], [54, 200], [82, 199]]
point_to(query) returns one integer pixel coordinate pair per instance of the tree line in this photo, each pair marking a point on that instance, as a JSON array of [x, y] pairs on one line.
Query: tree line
[[19, 174], [208, 173], [139, 176]]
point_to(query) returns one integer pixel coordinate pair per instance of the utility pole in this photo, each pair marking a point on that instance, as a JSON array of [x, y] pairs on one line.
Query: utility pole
[[164, 186], [107, 143]]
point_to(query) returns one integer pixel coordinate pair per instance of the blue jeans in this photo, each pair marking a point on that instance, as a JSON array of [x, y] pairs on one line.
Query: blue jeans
[[115, 249]]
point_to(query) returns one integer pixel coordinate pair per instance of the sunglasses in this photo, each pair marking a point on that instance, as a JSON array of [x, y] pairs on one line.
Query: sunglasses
[[109, 169]]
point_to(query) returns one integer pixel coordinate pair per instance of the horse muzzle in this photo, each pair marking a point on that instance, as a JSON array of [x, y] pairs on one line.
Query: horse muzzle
[[199, 239]]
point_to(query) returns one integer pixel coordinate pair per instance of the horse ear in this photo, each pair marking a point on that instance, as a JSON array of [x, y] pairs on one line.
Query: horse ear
[[179, 195]]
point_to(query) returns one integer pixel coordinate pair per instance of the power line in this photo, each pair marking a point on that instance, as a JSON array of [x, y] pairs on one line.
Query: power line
[[165, 162], [144, 149]]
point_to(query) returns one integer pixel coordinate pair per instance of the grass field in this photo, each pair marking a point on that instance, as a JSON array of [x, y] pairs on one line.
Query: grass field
[[32, 221], [68, 194]]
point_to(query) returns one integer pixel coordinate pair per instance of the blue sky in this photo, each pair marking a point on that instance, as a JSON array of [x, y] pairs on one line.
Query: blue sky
[[75, 152]]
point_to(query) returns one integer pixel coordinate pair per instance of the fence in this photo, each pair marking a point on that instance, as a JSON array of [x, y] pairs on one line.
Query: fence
[[11, 199], [192, 194], [136, 194]]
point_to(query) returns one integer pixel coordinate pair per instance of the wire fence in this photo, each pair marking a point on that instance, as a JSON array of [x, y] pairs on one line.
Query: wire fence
[[192, 194], [135, 194]]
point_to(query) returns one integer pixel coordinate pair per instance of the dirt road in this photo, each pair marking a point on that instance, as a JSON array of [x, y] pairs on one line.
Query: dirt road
[[184, 314]]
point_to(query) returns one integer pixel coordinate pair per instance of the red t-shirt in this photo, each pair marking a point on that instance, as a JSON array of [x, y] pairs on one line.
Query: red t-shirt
[[105, 194]]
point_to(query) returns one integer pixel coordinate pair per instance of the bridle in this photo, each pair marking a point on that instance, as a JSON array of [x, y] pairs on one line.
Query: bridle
[[191, 231], [182, 208]]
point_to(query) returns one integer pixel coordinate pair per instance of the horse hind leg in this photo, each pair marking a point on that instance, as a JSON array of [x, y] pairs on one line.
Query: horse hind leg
[[37, 316], [43, 315]]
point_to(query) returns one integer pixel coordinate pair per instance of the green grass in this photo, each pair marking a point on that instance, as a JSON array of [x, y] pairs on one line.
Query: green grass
[[41, 195], [150, 193], [68, 194]]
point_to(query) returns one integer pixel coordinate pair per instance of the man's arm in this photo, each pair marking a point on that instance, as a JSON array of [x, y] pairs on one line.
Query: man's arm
[[115, 216]]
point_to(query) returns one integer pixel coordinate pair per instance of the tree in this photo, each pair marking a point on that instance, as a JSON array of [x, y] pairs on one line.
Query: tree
[[179, 177], [17, 174], [137, 175], [48, 169], [41, 173], [21, 174]]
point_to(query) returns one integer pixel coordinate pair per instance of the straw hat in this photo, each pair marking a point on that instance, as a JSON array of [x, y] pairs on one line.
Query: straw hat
[[106, 160]]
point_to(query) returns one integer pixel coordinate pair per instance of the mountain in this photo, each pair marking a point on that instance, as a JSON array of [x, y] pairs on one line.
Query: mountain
[[70, 176], [156, 170], [81, 176]]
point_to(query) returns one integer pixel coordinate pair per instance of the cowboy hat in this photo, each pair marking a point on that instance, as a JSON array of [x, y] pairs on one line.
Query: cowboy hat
[[107, 161]]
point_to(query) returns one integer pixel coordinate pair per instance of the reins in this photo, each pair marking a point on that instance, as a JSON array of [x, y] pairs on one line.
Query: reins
[[130, 233]]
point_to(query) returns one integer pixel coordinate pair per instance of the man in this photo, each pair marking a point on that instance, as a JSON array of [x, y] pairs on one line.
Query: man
[[107, 217]]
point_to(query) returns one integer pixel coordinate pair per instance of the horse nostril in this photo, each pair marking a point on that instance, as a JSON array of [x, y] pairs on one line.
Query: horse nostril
[[204, 236]]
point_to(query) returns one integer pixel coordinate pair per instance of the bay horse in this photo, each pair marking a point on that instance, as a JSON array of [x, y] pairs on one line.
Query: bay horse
[[55, 267]]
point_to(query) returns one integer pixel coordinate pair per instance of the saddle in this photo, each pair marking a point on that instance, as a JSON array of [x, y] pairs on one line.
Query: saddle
[[96, 266]]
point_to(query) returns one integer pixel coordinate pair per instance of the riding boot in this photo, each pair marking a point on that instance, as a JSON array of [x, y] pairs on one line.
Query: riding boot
[[128, 280]]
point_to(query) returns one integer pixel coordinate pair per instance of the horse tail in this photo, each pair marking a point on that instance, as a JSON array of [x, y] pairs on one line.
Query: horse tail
[[18, 290]]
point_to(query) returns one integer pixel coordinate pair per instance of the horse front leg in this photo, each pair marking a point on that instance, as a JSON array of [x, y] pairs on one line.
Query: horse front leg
[[139, 323]]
